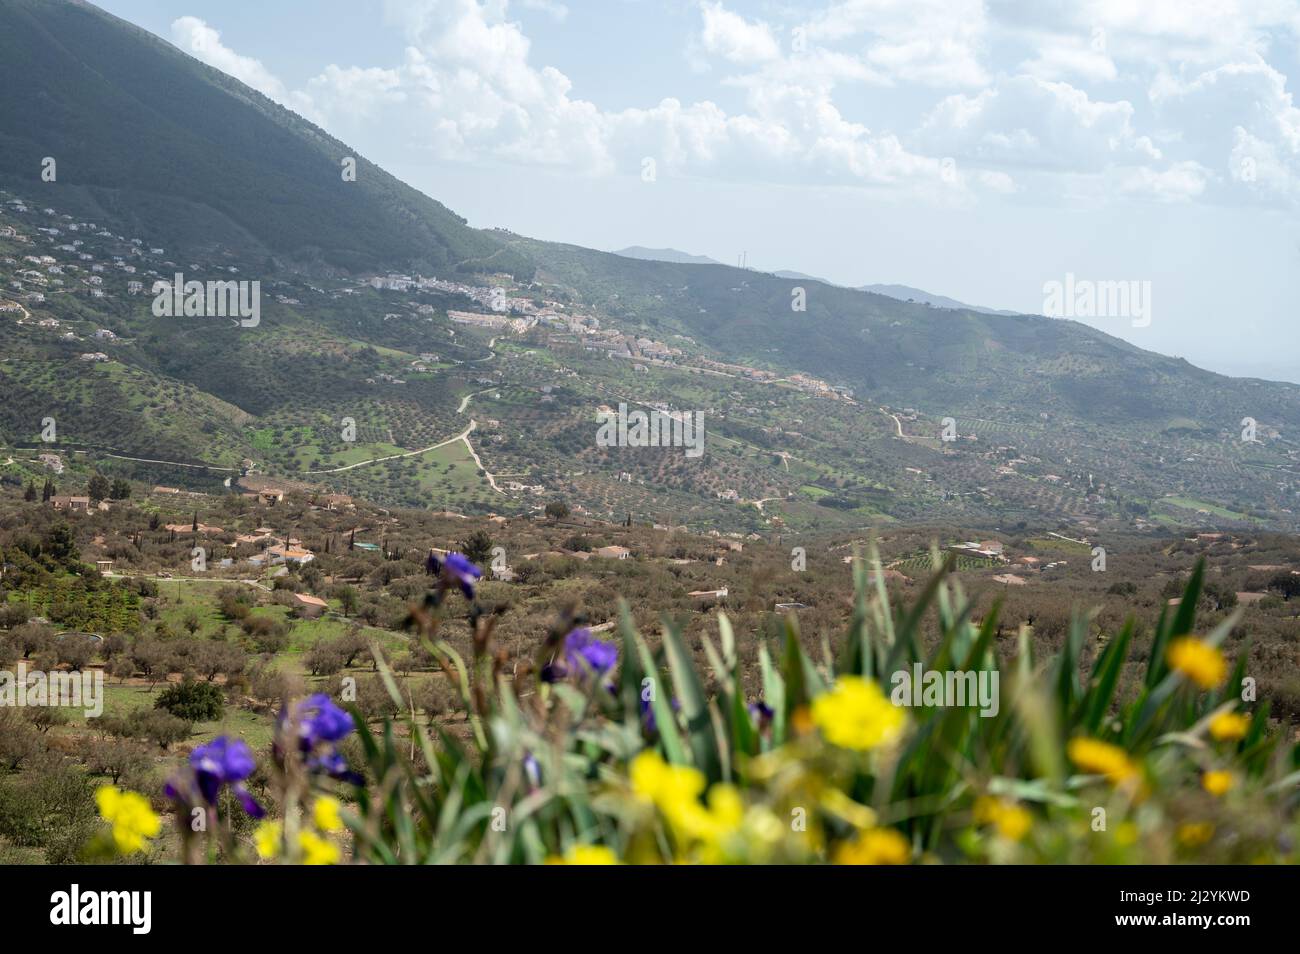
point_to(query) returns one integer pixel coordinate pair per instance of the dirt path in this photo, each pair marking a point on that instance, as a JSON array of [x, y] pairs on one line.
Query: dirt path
[[173, 463], [464, 402], [473, 453], [462, 436]]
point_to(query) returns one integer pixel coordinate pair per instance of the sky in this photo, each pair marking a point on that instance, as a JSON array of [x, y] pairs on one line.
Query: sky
[[993, 151]]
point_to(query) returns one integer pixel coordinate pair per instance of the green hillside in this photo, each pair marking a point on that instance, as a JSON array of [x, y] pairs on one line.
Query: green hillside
[[161, 145], [825, 417]]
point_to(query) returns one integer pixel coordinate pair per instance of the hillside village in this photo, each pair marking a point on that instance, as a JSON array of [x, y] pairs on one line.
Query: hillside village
[[781, 452]]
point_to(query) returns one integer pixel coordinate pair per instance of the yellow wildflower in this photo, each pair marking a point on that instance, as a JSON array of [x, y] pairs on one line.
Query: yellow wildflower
[[585, 855], [875, 846], [266, 838], [133, 821], [1194, 834], [1200, 662], [856, 714], [1011, 820], [1217, 782], [675, 790], [1229, 726], [656, 781], [801, 722], [325, 813], [1126, 834], [725, 813], [1102, 758], [317, 850]]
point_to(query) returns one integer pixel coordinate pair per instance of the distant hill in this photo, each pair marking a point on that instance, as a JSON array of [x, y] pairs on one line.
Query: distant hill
[[150, 138], [908, 293], [900, 292], [907, 353], [801, 277], [665, 255]]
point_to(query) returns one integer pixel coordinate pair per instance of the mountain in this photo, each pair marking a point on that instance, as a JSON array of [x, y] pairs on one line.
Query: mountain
[[908, 293], [157, 142], [665, 255], [800, 276], [897, 351], [825, 405], [899, 292]]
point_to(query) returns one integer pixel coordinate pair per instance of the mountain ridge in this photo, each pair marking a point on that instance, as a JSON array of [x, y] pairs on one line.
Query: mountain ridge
[[899, 292], [754, 347]]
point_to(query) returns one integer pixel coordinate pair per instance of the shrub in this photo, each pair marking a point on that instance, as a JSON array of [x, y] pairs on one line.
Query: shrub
[[324, 659], [155, 725], [192, 701]]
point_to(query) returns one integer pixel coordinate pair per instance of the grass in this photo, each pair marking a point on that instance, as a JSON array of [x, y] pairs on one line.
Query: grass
[[1188, 503]]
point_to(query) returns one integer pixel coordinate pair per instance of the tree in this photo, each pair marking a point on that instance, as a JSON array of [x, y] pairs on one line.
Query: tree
[[98, 488], [44, 718], [210, 659], [31, 638], [62, 544], [48, 491], [122, 669], [30, 493], [324, 659], [348, 598], [557, 510], [121, 490], [19, 740], [192, 701], [158, 726], [1286, 584], [477, 547], [118, 759], [351, 645], [76, 651], [152, 660]]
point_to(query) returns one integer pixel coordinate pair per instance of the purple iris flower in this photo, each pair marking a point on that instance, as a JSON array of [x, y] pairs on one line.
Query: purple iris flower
[[582, 653], [320, 719], [221, 762], [532, 770], [321, 725], [455, 568], [581, 646], [761, 713]]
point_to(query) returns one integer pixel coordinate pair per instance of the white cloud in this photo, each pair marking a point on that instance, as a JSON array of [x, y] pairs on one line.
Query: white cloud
[[468, 90], [203, 42], [734, 38], [1179, 183], [1178, 105], [930, 42], [1238, 118], [1072, 57], [1023, 120]]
